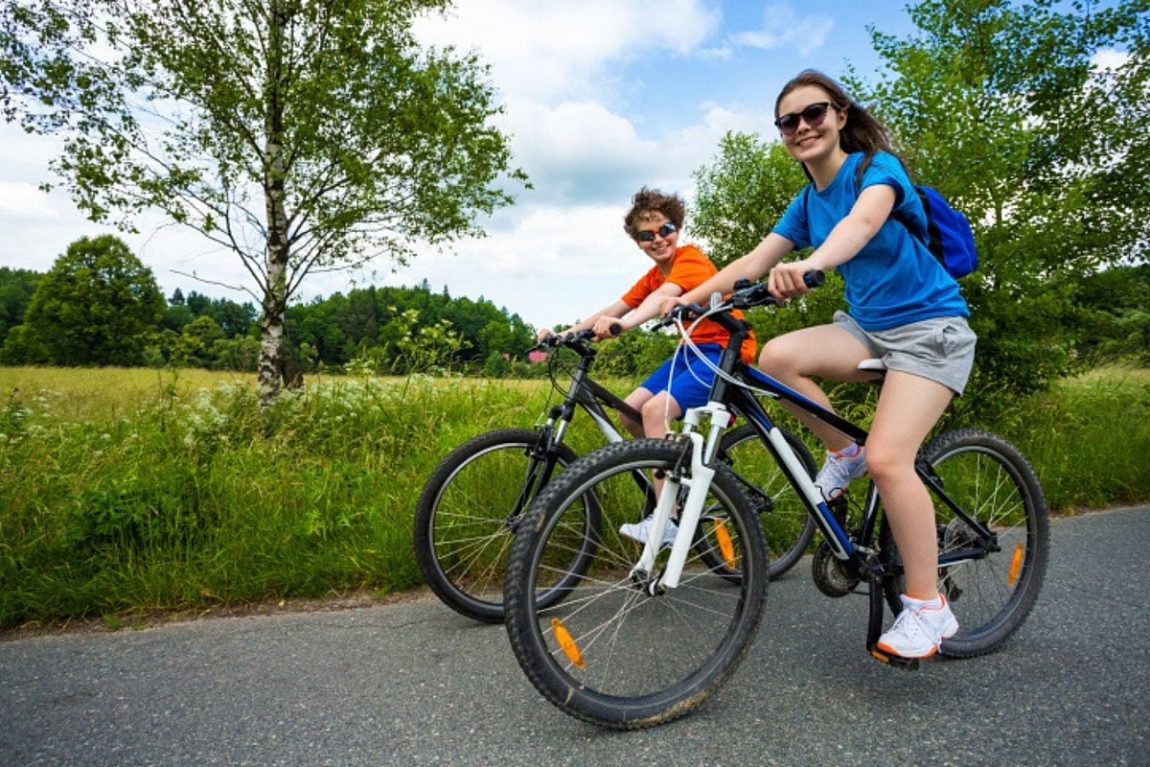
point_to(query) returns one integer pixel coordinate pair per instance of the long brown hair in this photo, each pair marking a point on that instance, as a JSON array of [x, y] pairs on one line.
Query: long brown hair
[[862, 132]]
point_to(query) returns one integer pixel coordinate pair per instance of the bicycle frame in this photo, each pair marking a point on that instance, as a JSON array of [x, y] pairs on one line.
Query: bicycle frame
[[729, 397], [582, 392]]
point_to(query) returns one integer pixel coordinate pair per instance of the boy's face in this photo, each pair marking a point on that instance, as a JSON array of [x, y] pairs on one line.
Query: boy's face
[[656, 236]]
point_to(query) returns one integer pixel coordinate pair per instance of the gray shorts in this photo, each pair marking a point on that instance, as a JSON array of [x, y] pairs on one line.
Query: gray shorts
[[940, 349]]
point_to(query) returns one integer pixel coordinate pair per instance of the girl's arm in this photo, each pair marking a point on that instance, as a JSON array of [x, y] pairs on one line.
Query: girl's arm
[[849, 236], [752, 266]]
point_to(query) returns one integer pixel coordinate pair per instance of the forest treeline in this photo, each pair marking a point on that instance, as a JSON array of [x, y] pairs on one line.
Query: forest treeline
[[99, 306]]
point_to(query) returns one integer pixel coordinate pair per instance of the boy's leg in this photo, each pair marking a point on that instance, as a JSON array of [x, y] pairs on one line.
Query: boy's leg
[[636, 399]]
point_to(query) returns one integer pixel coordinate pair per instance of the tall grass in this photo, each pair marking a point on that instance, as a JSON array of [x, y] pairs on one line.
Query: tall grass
[[127, 491]]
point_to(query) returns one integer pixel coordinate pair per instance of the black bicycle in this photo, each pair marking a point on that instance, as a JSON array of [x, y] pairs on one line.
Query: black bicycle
[[475, 498], [645, 633]]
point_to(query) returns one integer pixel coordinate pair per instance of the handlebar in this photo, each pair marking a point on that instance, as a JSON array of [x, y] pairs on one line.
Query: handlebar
[[576, 340], [746, 295]]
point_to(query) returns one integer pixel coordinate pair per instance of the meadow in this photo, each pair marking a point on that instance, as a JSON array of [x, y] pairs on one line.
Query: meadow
[[131, 493]]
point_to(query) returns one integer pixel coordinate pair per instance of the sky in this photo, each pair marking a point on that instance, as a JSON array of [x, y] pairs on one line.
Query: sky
[[600, 98]]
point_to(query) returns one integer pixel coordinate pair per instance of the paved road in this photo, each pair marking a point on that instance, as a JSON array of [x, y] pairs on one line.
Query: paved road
[[413, 684]]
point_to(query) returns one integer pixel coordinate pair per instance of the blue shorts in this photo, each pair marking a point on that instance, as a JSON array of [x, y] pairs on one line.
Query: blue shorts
[[686, 377]]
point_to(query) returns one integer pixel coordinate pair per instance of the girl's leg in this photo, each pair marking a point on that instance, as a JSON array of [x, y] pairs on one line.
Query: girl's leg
[[823, 351], [908, 408]]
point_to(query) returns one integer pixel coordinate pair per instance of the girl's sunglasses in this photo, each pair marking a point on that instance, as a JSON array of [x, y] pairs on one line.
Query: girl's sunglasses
[[814, 115], [648, 235]]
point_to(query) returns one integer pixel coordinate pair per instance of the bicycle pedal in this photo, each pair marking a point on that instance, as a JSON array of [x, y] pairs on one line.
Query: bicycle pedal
[[895, 661]]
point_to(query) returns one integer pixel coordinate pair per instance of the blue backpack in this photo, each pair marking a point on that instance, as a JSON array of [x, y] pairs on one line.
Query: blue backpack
[[948, 236]]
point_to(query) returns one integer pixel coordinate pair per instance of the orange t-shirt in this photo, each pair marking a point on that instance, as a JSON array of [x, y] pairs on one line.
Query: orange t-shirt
[[690, 269]]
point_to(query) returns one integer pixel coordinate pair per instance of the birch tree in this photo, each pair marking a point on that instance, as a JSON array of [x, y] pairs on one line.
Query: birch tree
[[302, 135]]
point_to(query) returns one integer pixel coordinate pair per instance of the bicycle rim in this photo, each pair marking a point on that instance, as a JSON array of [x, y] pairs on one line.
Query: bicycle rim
[[611, 653], [993, 593]]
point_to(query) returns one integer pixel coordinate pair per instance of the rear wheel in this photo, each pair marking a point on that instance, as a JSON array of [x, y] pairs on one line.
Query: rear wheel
[[787, 527], [618, 651], [467, 513], [991, 586]]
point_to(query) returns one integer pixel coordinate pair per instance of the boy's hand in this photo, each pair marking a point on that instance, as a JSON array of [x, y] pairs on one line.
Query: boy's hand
[[607, 327]]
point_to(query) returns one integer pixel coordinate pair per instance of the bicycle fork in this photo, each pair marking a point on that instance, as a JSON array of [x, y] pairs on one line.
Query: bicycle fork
[[697, 480]]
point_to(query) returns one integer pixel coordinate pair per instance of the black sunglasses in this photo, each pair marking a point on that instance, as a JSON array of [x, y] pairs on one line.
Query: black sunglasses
[[648, 235], [814, 115]]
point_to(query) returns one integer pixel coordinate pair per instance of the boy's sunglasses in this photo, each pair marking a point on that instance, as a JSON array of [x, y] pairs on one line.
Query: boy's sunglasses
[[648, 235], [814, 115]]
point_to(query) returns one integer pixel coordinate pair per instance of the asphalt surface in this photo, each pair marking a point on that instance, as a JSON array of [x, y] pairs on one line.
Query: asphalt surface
[[415, 684]]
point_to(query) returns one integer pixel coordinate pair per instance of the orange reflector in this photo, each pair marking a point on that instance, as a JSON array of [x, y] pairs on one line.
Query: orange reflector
[[726, 545], [1015, 565], [567, 643]]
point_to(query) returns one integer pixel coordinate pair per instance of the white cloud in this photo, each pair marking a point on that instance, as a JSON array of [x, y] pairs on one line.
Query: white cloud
[[23, 201], [784, 26], [565, 48], [1110, 60]]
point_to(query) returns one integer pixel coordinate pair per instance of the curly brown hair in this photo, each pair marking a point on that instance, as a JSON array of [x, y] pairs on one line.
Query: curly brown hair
[[652, 200]]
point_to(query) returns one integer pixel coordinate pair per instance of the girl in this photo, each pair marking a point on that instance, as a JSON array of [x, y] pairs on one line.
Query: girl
[[903, 308]]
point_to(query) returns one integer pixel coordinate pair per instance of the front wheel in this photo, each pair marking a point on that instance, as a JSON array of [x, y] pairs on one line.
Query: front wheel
[[467, 513], [991, 585], [618, 651]]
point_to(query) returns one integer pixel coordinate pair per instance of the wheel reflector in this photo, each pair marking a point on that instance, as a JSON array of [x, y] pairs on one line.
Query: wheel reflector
[[567, 643], [1015, 565], [726, 546]]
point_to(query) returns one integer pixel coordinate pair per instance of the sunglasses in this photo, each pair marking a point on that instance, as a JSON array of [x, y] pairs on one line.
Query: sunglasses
[[814, 116], [648, 235]]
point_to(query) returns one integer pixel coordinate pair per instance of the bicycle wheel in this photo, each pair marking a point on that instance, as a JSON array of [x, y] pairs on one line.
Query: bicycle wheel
[[787, 527], [991, 588], [612, 653], [468, 510]]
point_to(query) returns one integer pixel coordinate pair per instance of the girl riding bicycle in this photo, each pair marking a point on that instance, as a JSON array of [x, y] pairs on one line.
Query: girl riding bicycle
[[903, 308], [654, 222]]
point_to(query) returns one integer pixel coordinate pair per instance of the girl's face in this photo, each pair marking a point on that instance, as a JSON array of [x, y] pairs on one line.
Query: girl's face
[[810, 133], [656, 236]]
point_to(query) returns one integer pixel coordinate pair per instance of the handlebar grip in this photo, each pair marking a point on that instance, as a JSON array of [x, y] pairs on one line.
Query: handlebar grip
[[814, 278], [615, 328]]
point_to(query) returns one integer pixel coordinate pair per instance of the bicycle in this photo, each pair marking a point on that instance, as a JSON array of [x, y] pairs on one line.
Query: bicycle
[[474, 499], [644, 636]]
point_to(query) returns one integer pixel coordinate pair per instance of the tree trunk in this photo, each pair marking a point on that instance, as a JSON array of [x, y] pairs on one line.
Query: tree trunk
[[272, 369]]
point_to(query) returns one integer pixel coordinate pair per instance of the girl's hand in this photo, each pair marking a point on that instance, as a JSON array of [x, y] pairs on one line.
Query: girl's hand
[[786, 280], [669, 305], [543, 333]]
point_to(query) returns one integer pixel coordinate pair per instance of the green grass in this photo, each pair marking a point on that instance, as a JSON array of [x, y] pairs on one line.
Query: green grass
[[126, 492]]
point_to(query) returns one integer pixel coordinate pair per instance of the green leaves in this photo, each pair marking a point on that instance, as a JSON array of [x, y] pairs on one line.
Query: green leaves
[[98, 305], [301, 134]]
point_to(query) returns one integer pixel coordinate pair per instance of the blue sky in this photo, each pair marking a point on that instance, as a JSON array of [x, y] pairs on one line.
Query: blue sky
[[601, 97]]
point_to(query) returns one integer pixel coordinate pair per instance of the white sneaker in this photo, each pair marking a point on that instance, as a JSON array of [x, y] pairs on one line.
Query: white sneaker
[[640, 531], [918, 631], [838, 471]]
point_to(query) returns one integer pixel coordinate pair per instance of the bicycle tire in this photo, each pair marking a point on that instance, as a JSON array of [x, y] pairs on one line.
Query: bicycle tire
[[462, 528], [994, 483], [788, 528], [612, 653]]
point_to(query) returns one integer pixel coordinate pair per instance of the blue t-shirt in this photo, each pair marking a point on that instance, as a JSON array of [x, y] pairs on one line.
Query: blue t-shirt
[[894, 280]]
